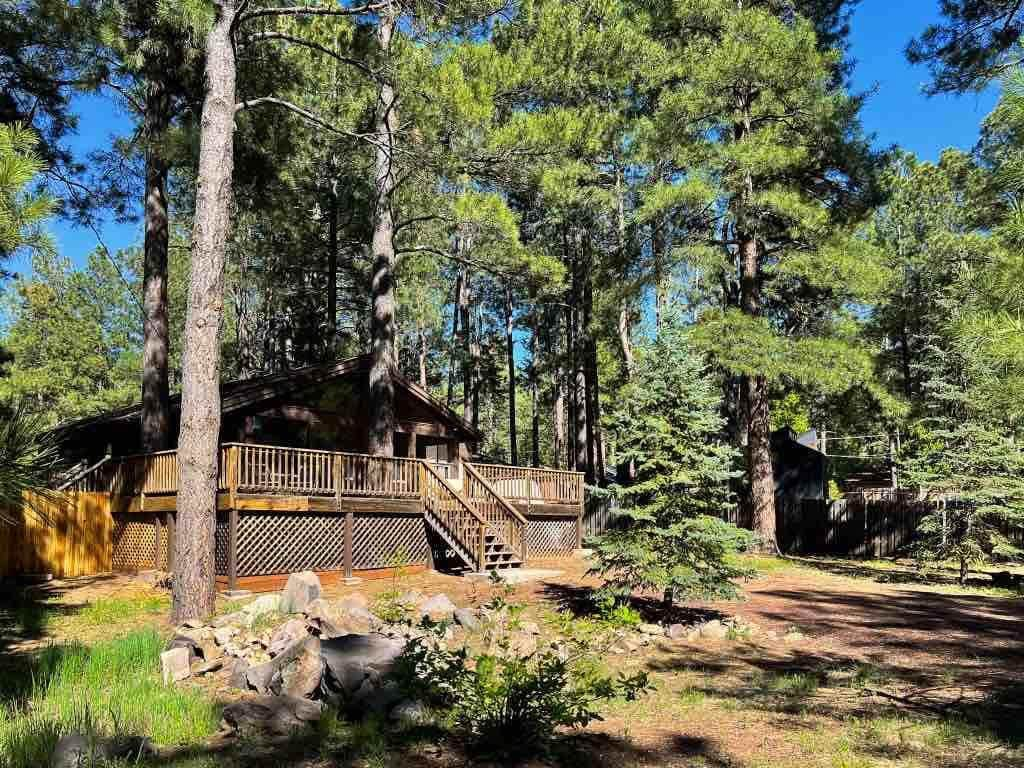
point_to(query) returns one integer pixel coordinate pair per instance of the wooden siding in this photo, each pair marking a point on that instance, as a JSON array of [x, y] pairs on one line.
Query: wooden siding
[[74, 541]]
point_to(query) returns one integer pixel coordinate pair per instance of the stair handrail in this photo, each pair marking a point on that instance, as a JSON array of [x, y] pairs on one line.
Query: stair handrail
[[470, 469], [480, 545], [84, 473]]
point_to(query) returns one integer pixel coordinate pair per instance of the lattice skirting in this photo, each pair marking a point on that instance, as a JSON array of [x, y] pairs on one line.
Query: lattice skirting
[[550, 536], [387, 541], [140, 542], [285, 542]]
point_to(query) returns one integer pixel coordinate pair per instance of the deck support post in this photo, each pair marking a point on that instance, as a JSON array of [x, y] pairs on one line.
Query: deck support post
[[157, 523], [233, 549]]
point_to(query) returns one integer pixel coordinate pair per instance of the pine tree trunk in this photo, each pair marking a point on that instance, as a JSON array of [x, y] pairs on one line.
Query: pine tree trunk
[[422, 355], [560, 439], [155, 416], [465, 328], [332, 273], [754, 391], [455, 345], [581, 430], [595, 472], [198, 444], [382, 289], [535, 426], [513, 442]]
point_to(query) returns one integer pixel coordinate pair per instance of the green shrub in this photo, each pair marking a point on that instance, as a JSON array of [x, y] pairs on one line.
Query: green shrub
[[509, 705]]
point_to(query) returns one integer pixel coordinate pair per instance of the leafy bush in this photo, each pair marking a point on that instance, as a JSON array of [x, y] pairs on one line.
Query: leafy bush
[[510, 705], [617, 614]]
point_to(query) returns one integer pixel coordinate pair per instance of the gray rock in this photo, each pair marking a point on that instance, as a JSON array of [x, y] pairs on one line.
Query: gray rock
[[350, 659], [410, 599], [676, 632], [175, 664], [261, 606], [260, 677], [222, 635], [714, 630], [301, 589], [74, 750], [286, 635], [520, 644], [344, 617], [651, 629], [466, 619], [374, 697], [276, 715], [207, 667], [437, 608], [301, 668], [409, 714], [188, 643], [238, 677]]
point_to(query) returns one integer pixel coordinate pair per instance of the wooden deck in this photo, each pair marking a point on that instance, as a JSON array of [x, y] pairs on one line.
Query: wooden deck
[[282, 509]]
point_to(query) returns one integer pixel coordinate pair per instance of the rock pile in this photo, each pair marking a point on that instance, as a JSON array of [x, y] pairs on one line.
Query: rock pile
[[335, 651]]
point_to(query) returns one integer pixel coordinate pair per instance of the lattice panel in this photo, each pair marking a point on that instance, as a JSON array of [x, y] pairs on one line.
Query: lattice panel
[[220, 545], [285, 542], [134, 543], [382, 541], [164, 553], [550, 536]]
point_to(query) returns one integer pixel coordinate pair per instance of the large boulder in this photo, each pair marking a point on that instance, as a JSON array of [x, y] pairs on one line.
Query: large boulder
[[341, 617], [466, 619], [76, 750], [275, 715], [351, 660], [301, 589], [296, 671]]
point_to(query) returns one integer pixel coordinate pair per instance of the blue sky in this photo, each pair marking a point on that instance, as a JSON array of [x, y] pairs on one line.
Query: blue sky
[[897, 113]]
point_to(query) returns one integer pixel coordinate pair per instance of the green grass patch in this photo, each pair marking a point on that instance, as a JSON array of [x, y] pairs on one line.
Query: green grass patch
[[114, 610], [111, 688], [766, 564]]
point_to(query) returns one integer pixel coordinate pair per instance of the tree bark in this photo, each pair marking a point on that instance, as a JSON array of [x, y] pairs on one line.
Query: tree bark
[[534, 398], [754, 391], [513, 442], [456, 346], [155, 416], [198, 444], [422, 354], [382, 288], [332, 272], [560, 438]]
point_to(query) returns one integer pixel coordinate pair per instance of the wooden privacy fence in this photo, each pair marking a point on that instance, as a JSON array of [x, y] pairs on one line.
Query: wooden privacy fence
[[873, 524], [74, 540]]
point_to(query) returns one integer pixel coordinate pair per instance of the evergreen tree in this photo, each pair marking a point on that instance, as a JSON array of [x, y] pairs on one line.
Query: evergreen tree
[[23, 208], [669, 425]]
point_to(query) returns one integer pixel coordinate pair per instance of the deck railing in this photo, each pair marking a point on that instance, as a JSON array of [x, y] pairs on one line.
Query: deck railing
[[246, 468], [465, 526], [532, 484], [500, 516]]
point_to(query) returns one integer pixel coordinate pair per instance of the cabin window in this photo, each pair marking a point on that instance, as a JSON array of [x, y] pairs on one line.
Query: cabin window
[[274, 430]]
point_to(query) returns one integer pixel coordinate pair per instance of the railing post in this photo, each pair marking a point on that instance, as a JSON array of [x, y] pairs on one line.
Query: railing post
[[482, 556]]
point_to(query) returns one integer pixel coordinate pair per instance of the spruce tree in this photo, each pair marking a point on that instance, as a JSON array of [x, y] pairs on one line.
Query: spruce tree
[[668, 424]]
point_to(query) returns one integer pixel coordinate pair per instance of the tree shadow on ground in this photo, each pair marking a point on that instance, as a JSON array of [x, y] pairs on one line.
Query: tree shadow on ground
[[896, 571], [580, 602]]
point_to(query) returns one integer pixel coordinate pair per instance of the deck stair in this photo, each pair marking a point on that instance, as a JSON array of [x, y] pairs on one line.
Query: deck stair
[[476, 523]]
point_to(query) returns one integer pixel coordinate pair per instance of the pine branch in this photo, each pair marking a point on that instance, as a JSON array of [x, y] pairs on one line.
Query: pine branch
[[261, 36], [312, 10]]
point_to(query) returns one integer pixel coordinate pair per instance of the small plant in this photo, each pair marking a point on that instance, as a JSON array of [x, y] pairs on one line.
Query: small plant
[[509, 705]]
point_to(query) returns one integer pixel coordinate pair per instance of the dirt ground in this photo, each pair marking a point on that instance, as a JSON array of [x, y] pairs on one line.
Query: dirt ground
[[922, 655]]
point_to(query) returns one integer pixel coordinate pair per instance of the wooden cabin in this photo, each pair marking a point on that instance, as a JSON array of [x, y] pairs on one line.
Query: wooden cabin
[[298, 491]]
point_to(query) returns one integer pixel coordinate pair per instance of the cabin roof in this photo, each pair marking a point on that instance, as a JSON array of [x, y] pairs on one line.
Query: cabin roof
[[243, 393]]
